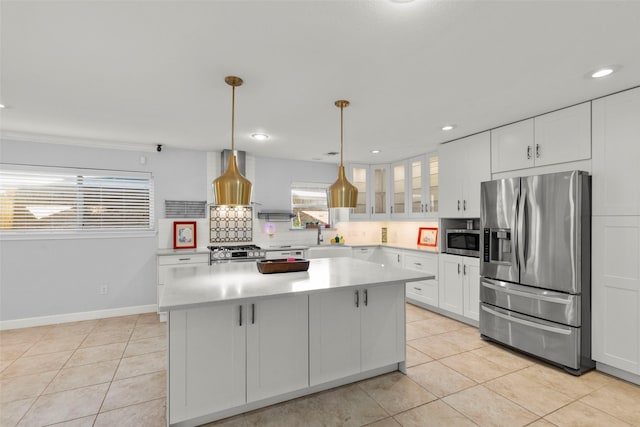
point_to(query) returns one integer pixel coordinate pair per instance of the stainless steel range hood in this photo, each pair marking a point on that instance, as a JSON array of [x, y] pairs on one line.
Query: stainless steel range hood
[[241, 159]]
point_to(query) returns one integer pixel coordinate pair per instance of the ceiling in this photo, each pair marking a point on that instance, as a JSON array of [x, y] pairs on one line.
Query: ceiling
[[152, 72]]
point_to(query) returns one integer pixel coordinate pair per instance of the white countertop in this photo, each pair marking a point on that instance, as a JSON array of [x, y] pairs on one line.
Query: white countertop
[[411, 247], [188, 287]]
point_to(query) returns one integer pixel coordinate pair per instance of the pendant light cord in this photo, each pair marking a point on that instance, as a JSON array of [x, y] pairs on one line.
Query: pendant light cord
[[233, 117], [341, 134]]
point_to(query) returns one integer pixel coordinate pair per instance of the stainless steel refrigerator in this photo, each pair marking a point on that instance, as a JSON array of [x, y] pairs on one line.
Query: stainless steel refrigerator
[[535, 266]]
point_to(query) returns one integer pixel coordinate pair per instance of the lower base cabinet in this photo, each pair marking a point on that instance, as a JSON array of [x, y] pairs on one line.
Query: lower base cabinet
[[459, 285], [355, 330], [227, 355], [616, 292], [424, 291]]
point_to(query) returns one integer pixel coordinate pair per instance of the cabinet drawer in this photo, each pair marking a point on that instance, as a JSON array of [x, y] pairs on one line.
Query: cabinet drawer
[[183, 259], [423, 262], [425, 291]]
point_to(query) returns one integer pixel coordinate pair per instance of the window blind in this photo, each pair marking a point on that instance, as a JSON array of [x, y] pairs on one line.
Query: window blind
[[61, 199]]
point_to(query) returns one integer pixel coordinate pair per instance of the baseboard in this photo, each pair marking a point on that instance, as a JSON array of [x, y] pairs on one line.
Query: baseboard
[[75, 317], [616, 372]]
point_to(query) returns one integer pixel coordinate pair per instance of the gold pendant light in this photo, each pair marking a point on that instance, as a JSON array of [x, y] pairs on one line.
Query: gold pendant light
[[342, 194], [231, 188]]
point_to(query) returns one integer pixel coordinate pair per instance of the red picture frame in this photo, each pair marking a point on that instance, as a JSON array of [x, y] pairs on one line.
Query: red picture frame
[[428, 236], [184, 235]]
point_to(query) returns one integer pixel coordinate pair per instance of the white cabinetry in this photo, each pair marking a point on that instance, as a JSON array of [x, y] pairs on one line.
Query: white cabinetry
[[374, 195], [616, 292], [464, 164], [165, 262], [459, 285], [365, 253], [616, 154], [423, 186], [277, 346], [424, 291], [207, 361], [355, 330], [392, 257], [226, 355], [399, 194], [512, 146], [557, 137]]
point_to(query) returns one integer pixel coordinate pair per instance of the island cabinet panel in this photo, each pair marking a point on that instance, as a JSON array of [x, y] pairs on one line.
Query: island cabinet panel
[[382, 320], [277, 346], [206, 361], [334, 335], [355, 330]]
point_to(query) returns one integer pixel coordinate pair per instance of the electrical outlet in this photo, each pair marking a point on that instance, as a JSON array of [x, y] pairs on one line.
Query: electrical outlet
[[104, 289]]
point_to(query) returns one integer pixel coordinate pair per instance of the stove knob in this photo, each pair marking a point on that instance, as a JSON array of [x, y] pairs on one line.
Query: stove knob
[[251, 253], [228, 254]]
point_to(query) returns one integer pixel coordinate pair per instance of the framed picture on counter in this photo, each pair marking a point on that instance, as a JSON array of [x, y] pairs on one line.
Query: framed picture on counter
[[184, 235], [427, 236]]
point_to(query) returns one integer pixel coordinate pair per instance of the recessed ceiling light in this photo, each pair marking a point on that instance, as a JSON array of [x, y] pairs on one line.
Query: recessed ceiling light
[[603, 72], [260, 136], [448, 127], [375, 151], [1, 105]]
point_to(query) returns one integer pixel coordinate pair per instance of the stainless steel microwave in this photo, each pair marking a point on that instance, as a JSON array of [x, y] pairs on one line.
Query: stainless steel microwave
[[463, 242]]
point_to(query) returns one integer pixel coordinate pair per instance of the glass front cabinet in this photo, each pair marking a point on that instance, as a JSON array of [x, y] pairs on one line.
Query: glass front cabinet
[[402, 190], [423, 180]]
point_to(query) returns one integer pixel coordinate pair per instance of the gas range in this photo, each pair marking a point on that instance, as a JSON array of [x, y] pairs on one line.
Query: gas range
[[246, 252]]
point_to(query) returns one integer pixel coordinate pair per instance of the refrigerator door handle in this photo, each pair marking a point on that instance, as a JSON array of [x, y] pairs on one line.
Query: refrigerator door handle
[[520, 242], [488, 283], [526, 322]]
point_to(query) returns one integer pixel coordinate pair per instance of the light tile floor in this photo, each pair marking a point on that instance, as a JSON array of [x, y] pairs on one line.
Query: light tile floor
[[111, 372]]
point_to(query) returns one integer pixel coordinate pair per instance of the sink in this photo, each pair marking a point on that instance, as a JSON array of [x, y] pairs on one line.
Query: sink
[[328, 251]]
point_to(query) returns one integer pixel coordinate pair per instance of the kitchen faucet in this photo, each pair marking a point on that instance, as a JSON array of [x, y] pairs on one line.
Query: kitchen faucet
[[320, 239]]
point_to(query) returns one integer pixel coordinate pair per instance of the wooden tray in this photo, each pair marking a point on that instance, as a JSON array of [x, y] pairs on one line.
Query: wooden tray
[[284, 265]]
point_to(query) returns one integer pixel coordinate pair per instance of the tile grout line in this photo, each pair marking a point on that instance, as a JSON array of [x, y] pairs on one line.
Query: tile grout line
[[115, 372]]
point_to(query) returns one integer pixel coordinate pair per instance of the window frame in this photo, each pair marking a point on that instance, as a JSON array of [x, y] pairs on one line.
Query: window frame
[[91, 232]]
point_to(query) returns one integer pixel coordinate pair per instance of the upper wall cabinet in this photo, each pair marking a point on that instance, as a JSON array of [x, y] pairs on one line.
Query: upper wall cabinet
[[373, 184], [464, 164], [422, 186], [616, 154], [558, 137], [415, 187]]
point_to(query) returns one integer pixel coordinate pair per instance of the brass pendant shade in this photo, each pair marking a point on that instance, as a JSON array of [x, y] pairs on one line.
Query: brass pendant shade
[[231, 188], [342, 194]]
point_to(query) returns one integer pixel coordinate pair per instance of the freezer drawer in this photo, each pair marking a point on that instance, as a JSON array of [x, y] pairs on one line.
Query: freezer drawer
[[557, 343], [554, 306]]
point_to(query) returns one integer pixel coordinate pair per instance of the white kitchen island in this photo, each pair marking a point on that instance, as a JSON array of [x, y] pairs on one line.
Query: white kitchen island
[[240, 340]]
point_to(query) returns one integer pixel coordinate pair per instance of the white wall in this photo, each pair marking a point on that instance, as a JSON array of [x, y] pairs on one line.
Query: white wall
[[50, 276], [273, 178]]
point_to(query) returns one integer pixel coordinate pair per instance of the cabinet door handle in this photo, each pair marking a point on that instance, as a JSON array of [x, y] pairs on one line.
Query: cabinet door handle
[[464, 205], [253, 314], [184, 259], [458, 204], [464, 269], [366, 298], [417, 289], [458, 268], [371, 210], [391, 209], [357, 298], [528, 152], [538, 151], [398, 258], [418, 263], [422, 208], [240, 315]]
